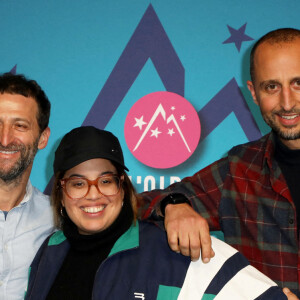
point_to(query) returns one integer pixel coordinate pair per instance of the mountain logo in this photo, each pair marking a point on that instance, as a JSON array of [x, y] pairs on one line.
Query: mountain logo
[[162, 130]]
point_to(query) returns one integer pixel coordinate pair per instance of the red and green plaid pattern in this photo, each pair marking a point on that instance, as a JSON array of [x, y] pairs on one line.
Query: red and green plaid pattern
[[245, 196]]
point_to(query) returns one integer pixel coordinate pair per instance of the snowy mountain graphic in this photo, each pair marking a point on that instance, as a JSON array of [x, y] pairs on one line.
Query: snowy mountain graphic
[[160, 111]]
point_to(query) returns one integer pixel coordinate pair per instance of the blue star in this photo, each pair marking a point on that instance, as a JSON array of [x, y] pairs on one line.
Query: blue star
[[238, 36]]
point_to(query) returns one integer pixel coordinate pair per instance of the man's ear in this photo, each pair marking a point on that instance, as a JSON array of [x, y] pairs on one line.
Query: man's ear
[[250, 86], [43, 141]]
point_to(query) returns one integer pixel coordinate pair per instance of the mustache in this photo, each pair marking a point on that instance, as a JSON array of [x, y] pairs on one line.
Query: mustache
[[283, 111], [11, 147]]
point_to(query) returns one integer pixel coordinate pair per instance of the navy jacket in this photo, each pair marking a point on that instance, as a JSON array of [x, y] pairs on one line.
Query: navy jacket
[[142, 266]]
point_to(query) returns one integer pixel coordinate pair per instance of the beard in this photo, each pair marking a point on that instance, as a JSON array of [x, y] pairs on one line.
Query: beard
[[27, 154], [284, 132]]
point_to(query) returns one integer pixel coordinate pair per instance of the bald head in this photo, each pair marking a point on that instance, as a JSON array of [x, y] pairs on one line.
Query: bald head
[[275, 37]]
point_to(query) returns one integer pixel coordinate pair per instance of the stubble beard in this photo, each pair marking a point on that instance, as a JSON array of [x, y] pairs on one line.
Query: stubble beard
[[27, 154], [287, 133]]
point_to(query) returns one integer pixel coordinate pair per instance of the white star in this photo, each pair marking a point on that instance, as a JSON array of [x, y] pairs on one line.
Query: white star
[[182, 118], [173, 108], [139, 122], [155, 132], [171, 132]]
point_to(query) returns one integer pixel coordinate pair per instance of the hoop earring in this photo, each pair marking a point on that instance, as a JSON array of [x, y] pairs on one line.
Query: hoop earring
[[61, 212]]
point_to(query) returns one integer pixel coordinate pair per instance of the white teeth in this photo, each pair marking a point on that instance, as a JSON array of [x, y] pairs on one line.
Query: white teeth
[[8, 152], [289, 117], [93, 209]]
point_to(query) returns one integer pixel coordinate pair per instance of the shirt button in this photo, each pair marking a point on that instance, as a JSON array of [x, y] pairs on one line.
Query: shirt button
[[1, 282], [291, 221], [5, 247]]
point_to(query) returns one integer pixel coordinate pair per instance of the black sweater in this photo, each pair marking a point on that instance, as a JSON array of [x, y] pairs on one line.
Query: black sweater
[[289, 163], [75, 278]]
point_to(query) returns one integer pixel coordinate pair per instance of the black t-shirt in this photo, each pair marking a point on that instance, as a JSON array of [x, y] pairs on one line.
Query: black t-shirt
[[289, 163]]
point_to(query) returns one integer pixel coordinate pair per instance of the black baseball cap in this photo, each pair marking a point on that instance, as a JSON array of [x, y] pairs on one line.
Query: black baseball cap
[[84, 143]]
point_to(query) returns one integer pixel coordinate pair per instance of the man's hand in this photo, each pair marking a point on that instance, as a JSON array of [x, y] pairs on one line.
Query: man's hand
[[188, 232], [289, 294]]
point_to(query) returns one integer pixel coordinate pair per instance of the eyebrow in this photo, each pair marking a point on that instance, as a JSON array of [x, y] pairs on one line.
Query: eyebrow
[[82, 176], [271, 81], [21, 120], [295, 78], [75, 175], [274, 81]]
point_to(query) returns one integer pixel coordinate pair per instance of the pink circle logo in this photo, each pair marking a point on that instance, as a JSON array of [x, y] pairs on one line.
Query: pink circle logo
[[162, 130]]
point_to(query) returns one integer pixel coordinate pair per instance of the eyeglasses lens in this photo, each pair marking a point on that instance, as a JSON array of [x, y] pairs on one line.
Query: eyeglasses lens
[[79, 187]]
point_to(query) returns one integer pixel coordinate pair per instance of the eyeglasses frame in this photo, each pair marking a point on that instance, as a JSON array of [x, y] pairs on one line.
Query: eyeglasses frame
[[90, 183]]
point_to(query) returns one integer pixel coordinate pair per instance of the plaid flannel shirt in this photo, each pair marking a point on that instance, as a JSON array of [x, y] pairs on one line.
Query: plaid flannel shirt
[[245, 195]]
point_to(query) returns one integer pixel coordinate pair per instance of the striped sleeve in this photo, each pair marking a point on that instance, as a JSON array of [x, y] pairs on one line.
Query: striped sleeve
[[227, 276]]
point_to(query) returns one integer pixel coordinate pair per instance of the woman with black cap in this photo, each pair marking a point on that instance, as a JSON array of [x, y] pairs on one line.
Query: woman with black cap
[[102, 252]]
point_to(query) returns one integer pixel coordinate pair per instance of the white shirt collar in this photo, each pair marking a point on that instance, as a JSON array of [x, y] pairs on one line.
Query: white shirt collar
[[28, 193]]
